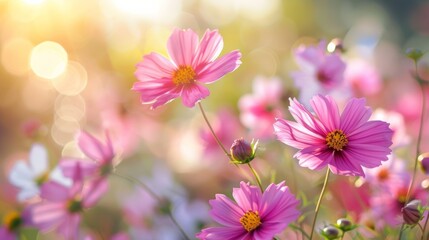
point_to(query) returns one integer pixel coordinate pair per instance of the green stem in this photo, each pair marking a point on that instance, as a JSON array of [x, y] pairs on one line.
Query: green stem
[[325, 183], [148, 190], [258, 180], [419, 139], [213, 133]]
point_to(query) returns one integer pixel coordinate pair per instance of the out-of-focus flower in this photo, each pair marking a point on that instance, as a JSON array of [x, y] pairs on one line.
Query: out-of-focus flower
[[253, 215], [226, 127], [363, 77], [345, 224], [345, 142], [29, 176], [397, 124], [243, 152], [150, 221], [101, 154], [12, 222], [411, 213], [62, 205], [259, 109], [391, 172], [320, 72], [192, 64], [387, 205]]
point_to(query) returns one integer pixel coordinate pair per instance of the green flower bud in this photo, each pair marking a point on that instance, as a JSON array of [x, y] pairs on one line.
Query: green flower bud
[[331, 232]]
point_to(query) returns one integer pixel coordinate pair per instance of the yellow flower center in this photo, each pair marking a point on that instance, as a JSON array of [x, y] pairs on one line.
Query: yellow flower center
[[184, 75], [336, 140], [12, 220], [250, 220], [42, 178]]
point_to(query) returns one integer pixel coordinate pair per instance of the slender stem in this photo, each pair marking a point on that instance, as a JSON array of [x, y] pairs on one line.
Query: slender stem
[[325, 183], [424, 227], [419, 139], [148, 190], [401, 231], [258, 180], [212, 131], [342, 235]]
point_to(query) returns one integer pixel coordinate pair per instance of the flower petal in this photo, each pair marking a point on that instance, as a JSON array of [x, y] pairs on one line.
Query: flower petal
[[327, 111], [69, 228], [295, 135], [38, 159], [224, 233], [192, 93], [342, 164], [208, 50], [46, 216], [93, 191], [54, 192], [154, 67], [21, 175], [225, 212], [314, 157], [218, 68], [354, 115], [182, 46], [305, 118], [247, 197]]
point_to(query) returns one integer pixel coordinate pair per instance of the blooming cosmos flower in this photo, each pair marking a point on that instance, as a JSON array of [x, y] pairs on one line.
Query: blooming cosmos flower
[[101, 154], [259, 109], [320, 72], [254, 215], [62, 205], [29, 176], [345, 142], [192, 64], [12, 223]]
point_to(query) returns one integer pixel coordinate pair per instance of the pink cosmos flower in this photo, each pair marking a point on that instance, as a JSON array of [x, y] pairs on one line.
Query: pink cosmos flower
[[254, 215], [389, 173], [62, 206], [259, 109], [387, 205], [363, 77], [192, 64], [101, 154], [12, 223], [320, 72], [345, 142], [397, 124]]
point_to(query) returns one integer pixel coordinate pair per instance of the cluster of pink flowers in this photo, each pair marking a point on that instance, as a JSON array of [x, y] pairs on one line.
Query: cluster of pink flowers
[[327, 131]]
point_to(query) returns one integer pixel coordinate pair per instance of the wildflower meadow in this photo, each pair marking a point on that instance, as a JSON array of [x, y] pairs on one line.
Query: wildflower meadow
[[214, 120]]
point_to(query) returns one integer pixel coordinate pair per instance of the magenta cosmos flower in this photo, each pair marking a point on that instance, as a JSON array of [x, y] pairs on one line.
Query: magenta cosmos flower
[[345, 142], [254, 215], [192, 64]]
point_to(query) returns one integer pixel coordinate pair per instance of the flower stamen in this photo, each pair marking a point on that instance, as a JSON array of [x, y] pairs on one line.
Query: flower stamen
[[250, 220], [336, 140], [184, 75], [12, 220]]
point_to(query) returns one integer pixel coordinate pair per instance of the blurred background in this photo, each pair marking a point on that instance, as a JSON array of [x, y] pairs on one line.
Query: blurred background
[[69, 64]]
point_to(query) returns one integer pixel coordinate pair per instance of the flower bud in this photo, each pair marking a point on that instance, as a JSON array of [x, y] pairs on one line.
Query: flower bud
[[424, 162], [414, 54], [335, 45], [345, 225], [331, 232], [242, 151], [411, 212]]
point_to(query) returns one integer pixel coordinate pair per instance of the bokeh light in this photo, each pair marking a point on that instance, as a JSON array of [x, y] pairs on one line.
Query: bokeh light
[[72, 81], [15, 55], [48, 60]]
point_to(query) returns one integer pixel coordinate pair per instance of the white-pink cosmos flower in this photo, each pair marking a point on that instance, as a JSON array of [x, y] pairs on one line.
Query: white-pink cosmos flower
[[320, 72], [192, 64], [29, 176]]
